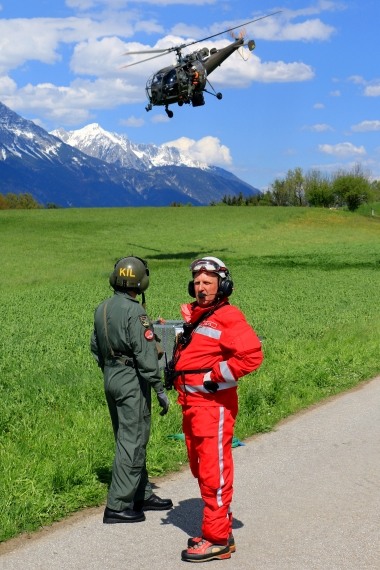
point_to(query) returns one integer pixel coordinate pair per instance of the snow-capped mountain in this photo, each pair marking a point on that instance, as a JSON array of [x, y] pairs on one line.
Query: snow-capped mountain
[[19, 137], [100, 169], [118, 149]]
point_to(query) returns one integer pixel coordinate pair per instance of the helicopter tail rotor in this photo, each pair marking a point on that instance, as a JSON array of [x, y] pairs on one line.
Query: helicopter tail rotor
[[239, 36], [242, 52]]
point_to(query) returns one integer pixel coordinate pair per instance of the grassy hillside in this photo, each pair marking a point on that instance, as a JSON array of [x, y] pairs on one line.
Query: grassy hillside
[[308, 281]]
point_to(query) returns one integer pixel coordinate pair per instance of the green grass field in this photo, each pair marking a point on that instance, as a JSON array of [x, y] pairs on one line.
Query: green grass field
[[308, 281]]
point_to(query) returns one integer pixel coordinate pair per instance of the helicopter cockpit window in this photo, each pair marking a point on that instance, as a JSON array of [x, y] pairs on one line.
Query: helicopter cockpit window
[[170, 83], [156, 78], [170, 78]]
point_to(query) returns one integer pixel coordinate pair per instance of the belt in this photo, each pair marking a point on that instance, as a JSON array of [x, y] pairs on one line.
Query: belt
[[124, 360], [198, 371]]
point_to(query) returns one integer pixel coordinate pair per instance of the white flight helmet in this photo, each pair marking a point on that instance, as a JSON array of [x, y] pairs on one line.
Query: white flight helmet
[[209, 263]]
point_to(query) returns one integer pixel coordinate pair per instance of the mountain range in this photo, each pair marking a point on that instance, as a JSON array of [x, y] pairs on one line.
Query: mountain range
[[91, 167]]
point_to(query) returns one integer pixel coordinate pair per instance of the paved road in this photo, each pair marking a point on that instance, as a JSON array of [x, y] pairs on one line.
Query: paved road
[[307, 497]]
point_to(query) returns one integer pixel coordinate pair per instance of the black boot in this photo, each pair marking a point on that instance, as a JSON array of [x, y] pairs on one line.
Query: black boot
[[154, 503], [125, 516]]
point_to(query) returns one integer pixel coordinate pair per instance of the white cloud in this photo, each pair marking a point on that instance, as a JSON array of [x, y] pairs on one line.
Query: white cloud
[[357, 79], [318, 128], [40, 39], [336, 93], [318, 106], [344, 149], [235, 72], [277, 27], [318, 7], [132, 121], [366, 126], [158, 119], [99, 57], [372, 90], [208, 150], [71, 105], [280, 71], [308, 31], [7, 86]]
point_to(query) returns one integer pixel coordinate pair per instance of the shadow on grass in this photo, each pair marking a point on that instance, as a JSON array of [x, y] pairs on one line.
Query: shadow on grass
[[189, 255], [104, 475], [314, 262]]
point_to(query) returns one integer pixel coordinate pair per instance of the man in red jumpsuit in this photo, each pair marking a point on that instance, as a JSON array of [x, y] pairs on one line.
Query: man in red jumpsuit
[[217, 347]]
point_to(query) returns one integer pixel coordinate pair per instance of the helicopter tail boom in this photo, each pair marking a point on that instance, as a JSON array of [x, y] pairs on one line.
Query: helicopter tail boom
[[216, 58]]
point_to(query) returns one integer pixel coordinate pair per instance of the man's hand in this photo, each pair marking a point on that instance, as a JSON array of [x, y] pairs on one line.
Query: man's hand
[[209, 384], [164, 402]]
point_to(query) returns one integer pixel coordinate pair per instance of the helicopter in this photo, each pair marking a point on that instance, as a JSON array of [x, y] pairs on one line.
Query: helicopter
[[186, 81]]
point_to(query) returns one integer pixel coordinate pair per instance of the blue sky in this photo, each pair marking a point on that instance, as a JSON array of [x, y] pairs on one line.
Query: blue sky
[[308, 96]]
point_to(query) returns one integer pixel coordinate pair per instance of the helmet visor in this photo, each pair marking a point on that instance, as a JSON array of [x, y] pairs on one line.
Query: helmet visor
[[207, 265]]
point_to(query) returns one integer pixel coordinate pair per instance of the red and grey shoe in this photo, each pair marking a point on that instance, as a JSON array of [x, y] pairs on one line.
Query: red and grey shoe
[[231, 542], [205, 550]]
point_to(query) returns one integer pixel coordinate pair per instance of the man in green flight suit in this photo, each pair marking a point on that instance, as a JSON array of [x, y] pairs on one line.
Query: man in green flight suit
[[124, 346]]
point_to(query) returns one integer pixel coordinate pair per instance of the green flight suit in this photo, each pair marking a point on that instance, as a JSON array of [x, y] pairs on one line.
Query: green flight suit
[[124, 346]]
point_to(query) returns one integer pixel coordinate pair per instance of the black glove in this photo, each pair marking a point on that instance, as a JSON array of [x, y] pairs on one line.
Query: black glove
[[209, 384], [164, 402]]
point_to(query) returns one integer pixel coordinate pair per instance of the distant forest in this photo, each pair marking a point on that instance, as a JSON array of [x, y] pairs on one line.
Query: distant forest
[[342, 189]]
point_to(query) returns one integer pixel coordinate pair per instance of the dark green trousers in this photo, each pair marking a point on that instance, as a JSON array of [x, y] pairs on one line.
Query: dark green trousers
[[129, 403]]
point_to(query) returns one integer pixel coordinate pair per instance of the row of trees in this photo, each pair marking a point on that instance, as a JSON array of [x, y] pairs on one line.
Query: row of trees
[[25, 201], [349, 189], [12, 201]]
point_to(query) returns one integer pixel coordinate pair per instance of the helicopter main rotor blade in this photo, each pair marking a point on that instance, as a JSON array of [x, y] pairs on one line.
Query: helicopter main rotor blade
[[231, 29], [178, 49], [147, 59], [146, 51]]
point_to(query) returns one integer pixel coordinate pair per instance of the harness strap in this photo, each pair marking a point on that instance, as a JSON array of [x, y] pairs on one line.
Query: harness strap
[[106, 329], [197, 371]]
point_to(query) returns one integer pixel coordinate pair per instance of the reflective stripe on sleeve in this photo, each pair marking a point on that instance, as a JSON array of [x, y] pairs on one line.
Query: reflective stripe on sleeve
[[226, 372], [208, 331]]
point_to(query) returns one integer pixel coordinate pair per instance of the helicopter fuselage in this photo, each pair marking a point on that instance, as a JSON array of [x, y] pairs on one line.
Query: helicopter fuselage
[[186, 81]]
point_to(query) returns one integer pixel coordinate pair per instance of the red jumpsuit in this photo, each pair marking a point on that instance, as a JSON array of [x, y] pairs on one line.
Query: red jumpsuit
[[225, 344]]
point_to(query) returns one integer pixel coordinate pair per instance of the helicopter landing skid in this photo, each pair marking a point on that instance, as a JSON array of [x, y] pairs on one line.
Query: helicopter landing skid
[[169, 112], [213, 92], [149, 107]]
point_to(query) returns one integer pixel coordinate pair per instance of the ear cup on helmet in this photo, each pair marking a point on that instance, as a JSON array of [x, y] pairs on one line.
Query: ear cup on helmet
[[226, 287], [191, 289]]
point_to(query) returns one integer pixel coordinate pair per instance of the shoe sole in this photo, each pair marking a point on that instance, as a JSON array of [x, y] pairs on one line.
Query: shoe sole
[[204, 558], [122, 521]]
